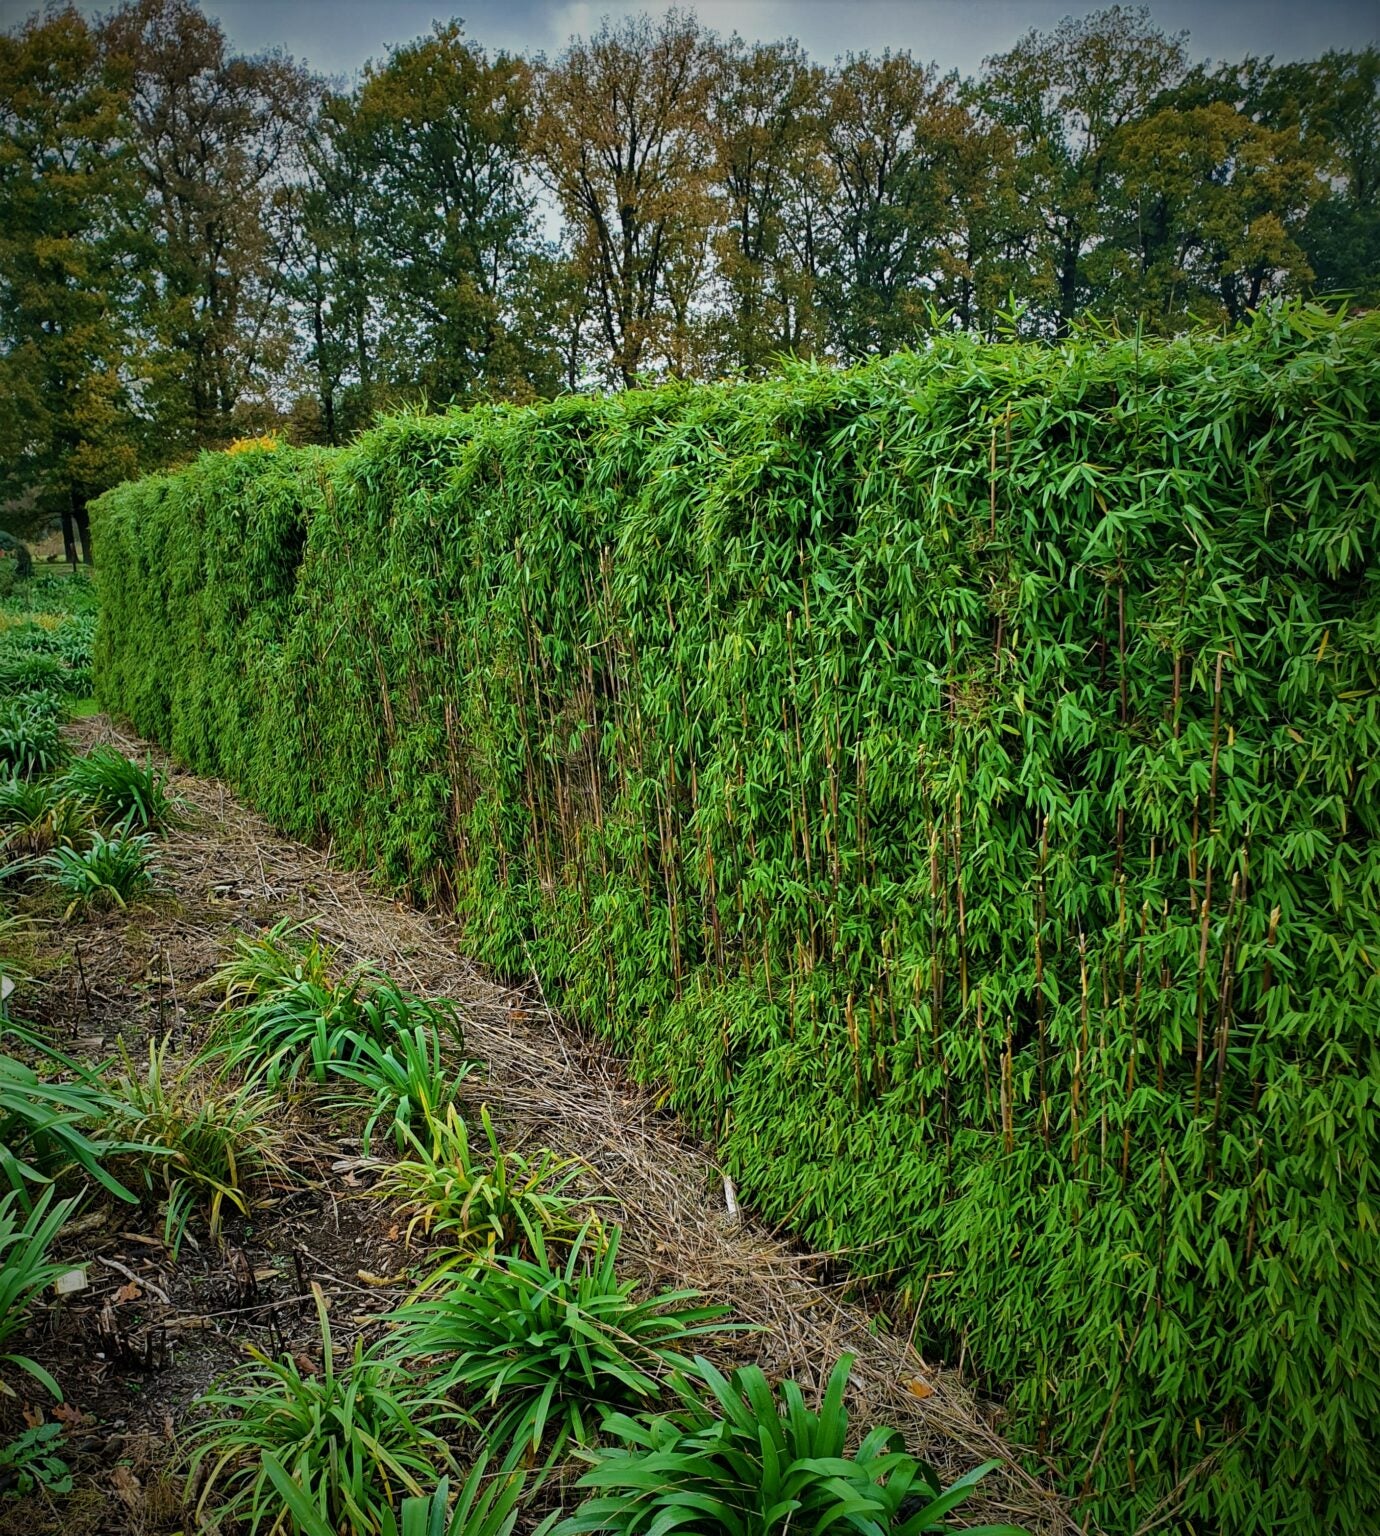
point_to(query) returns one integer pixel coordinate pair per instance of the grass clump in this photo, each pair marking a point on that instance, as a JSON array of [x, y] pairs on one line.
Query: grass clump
[[32, 671], [26, 1270], [110, 871], [353, 1439], [285, 1017], [46, 658], [264, 963], [753, 1461], [540, 1353], [502, 1204], [404, 1086], [203, 1145], [484, 1505], [121, 791], [304, 1030], [37, 815], [31, 742]]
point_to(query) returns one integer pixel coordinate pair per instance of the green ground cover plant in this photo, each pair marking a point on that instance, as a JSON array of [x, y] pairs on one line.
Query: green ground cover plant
[[539, 1352], [739, 1458], [51, 1120], [47, 625], [953, 780], [484, 1505], [38, 815], [44, 811], [27, 1232], [31, 672], [270, 961], [286, 1016], [407, 1087], [501, 1202], [353, 1438], [31, 741], [33, 1459], [125, 793], [306, 1029], [108, 871]]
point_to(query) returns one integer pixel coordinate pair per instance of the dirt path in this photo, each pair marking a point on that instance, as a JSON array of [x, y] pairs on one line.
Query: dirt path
[[548, 1084]]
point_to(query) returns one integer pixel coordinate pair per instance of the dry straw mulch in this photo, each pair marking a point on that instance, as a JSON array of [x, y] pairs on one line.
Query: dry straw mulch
[[548, 1084]]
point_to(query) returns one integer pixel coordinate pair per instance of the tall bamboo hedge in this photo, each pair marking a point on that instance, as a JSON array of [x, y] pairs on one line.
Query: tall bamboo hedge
[[954, 780]]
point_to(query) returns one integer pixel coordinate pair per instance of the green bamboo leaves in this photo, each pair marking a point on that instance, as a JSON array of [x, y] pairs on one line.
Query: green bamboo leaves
[[955, 781]]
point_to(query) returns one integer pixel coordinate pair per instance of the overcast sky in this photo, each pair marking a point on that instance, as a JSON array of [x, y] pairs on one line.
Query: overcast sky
[[337, 36]]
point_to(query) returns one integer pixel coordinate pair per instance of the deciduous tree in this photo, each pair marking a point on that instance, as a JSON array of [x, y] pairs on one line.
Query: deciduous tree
[[216, 137], [450, 220], [1064, 96], [621, 139], [893, 136], [765, 125], [70, 421], [1205, 210]]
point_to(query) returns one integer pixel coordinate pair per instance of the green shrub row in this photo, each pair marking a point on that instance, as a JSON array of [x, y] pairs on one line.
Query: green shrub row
[[955, 780]]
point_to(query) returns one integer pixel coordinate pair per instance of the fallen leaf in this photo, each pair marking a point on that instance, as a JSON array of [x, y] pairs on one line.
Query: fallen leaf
[[367, 1277], [128, 1488], [33, 1417], [918, 1388], [128, 1292], [69, 1415]]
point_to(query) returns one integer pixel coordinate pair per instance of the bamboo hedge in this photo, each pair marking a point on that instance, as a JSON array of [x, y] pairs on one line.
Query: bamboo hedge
[[954, 780]]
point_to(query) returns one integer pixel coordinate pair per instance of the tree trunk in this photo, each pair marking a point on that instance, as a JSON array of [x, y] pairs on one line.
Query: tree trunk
[[82, 518], [1068, 281], [69, 542], [325, 386]]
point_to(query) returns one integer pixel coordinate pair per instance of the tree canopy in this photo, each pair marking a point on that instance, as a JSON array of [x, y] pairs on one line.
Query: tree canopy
[[197, 245]]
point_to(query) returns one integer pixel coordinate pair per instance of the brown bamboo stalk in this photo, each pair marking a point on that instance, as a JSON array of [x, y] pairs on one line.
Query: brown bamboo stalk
[[1040, 975], [992, 485], [962, 914], [1081, 1050], [1135, 1026]]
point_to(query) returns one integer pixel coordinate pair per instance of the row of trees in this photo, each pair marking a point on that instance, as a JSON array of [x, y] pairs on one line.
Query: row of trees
[[195, 245]]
